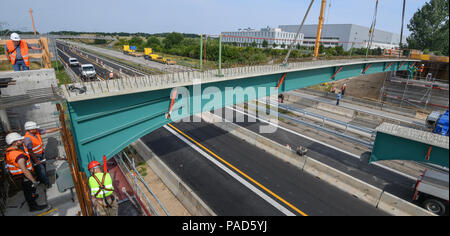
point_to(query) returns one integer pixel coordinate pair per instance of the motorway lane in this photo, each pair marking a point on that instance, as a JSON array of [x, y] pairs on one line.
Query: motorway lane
[[226, 196], [223, 194], [101, 72], [391, 182], [113, 65]]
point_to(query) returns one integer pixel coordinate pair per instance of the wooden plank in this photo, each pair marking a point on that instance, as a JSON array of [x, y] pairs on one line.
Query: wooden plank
[[30, 41], [34, 55]]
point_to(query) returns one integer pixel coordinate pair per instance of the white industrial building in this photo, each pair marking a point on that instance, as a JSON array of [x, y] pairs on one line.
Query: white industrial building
[[346, 35], [244, 37]]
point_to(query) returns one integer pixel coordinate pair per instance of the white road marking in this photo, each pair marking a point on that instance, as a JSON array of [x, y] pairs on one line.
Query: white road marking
[[325, 144], [234, 175]]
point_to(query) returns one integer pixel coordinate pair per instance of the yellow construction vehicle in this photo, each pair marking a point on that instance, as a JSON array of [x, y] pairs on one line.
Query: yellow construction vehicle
[[169, 61], [129, 50]]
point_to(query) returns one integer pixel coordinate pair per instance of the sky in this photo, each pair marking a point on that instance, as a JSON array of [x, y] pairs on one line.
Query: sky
[[197, 16]]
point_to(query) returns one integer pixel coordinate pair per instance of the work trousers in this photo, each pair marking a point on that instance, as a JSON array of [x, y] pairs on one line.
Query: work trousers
[[29, 192], [20, 64], [104, 210], [41, 172]]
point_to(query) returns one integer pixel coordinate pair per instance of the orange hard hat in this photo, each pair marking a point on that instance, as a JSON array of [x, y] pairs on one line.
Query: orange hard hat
[[93, 164]]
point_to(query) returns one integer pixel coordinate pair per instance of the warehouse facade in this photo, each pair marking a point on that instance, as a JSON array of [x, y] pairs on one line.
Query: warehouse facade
[[346, 35], [245, 37]]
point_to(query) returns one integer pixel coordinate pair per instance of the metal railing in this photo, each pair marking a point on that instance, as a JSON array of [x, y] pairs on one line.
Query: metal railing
[[370, 133], [137, 177], [187, 77]]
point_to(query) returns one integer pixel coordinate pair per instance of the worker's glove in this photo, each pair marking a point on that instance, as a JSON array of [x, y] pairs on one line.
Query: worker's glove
[[35, 184]]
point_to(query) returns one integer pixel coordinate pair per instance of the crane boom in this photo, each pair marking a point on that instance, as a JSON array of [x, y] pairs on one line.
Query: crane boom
[[319, 29]]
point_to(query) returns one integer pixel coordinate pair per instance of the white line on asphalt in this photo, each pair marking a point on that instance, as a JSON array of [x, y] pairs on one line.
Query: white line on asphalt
[[234, 175], [325, 144]]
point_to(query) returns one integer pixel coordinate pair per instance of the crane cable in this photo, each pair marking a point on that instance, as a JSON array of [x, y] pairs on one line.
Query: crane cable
[[296, 36]]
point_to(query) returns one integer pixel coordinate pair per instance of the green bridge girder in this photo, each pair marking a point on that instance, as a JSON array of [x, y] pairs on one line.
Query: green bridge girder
[[104, 123], [394, 142]]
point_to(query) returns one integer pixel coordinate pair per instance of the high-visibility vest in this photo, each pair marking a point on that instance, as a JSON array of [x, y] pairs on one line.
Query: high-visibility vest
[[38, 145], [12, 165], [13, 53], [94, 184]]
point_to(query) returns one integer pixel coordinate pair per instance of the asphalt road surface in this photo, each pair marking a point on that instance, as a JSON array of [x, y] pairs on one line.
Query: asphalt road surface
[[253, 182]]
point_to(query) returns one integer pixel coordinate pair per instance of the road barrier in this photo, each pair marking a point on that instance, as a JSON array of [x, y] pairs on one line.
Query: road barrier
[[364, 191]]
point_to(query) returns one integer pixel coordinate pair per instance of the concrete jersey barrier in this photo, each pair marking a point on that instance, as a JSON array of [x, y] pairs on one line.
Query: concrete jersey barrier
[[364, 191]]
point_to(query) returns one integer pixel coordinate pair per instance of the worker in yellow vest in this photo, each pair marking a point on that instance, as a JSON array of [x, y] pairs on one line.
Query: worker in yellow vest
[[34, 147], [17, 52], [102, 190], [21, 170]]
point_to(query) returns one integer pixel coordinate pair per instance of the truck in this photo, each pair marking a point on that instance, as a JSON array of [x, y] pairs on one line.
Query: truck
[[129, 50], [169, 61], [431, 190], [438, 123], [87, 72], [149, 55]]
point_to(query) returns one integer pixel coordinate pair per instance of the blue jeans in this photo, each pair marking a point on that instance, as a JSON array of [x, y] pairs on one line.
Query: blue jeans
[[41, 172], [20, 63]]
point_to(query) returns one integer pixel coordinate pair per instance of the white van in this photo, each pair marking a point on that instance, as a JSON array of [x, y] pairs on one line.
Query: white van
[[88, 71], [73, 62]]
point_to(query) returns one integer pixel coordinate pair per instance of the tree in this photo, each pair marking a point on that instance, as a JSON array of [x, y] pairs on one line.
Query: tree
[[136, 41], [253, 44], [274, 45], [265, 44], [429, 27], [172, 39]]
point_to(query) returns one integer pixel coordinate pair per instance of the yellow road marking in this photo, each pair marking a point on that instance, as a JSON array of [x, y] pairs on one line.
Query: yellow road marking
[[48, 212], [240, 172]]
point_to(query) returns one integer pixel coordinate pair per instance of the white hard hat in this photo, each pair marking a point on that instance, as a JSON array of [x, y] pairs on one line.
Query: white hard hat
[[15, 37], [12, 137], [31, 125]]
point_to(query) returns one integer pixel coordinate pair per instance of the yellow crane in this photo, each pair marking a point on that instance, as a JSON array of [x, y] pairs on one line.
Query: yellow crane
[[319, 29]]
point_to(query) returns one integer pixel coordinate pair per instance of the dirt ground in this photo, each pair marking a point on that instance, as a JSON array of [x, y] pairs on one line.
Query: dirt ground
[[366, 86]]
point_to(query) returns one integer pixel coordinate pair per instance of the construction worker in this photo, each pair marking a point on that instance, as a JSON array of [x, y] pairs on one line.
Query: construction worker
[[111, 75], [421, 68], [344, 86], [16, 51], [333, 89], [21, 169], [102, 190], [338, 99], [34, 147]]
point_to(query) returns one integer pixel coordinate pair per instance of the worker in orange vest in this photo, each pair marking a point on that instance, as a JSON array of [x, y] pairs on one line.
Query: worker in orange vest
[[17, 52], [344, 86], [21, 169], [34, 147]]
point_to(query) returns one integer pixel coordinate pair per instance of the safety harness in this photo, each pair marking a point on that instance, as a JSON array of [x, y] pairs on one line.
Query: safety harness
[[103, 188], [102, 185]]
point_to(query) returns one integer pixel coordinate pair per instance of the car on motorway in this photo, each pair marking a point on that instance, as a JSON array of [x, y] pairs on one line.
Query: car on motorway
[[73, 62], [87, 72]]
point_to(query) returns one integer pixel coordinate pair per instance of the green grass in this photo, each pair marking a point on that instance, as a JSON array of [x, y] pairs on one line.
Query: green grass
[[61, 75]]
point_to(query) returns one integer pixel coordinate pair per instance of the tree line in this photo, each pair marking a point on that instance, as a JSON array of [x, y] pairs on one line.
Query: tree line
[[178, 44]]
